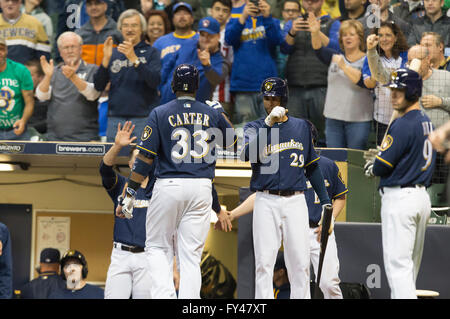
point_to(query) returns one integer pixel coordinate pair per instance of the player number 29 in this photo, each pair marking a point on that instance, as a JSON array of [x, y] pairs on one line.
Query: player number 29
[[427, 154], [298, 161]]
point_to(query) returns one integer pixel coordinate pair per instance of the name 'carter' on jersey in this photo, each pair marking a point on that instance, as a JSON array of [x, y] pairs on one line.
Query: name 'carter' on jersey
[[181, 134]]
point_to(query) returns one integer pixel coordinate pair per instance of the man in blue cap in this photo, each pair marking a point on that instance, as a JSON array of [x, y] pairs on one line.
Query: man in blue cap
[[48, 280], [170, 43], [205, 55]]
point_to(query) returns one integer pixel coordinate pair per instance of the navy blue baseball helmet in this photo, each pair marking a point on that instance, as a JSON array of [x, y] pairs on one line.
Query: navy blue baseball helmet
[[185, 78], [410, 81], [74, 254], [275, 87]]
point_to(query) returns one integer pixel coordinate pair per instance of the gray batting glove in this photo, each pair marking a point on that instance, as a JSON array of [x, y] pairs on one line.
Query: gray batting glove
[[368, 168]]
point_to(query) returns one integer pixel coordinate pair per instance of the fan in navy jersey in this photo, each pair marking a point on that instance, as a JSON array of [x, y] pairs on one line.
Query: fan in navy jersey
[[405, 165], [183, 135]]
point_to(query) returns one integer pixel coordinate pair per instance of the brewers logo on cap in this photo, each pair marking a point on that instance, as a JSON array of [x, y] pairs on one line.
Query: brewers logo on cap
[[205, 23], [268, 86], [146, 133]]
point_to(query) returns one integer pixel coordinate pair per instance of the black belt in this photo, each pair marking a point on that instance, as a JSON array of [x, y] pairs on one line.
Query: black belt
[[404, 186], [284, 193], [131, 249], [313, 224]]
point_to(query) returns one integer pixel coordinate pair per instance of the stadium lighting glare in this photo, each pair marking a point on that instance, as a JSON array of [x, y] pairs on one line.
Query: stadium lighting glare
[[10, 167]]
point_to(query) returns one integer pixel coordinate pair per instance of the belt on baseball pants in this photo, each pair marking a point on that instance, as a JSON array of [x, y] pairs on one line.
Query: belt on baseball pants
[[131, 249], [403, 186], [313, 224], [283, 193]]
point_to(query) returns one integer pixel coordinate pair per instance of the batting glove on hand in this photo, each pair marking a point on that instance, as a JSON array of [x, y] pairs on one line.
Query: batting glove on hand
[[371, 153], [368, 168], [277, 113], [127, 203], [329, 206]]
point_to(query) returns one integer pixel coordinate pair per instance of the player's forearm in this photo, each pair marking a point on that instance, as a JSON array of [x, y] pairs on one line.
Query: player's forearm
[[315, 177], [111, 156], [380, 169], [338, 206], [140, 171], [244, 208]]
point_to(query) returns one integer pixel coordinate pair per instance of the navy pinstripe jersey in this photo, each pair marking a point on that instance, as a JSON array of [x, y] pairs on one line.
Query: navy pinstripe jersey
[[334, 184], [280, 161], [184, 134], [407, 151]]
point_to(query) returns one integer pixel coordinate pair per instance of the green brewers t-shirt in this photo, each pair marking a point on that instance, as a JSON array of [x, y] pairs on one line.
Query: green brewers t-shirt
[[13, 80]]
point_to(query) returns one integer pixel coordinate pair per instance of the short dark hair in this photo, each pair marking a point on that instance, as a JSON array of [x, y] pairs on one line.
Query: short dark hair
[[226, 3], [37, 65], [294, 1]]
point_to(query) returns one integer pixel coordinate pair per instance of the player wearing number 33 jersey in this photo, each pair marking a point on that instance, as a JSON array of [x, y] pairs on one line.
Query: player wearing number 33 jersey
[[405, 165], [182, 134]]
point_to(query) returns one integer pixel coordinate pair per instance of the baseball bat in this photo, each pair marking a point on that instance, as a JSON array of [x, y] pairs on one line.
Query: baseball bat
[[326, 223]]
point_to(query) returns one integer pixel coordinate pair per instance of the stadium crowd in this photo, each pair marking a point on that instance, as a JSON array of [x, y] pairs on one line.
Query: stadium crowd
[[91, 64]]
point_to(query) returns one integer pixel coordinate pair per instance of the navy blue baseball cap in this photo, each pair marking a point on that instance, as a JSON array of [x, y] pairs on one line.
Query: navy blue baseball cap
[[50, 255], [182, 4], [209, 24]]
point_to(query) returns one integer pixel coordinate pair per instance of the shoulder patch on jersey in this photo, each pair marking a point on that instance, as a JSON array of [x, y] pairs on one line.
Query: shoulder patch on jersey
[[387, 142], [146, 133]]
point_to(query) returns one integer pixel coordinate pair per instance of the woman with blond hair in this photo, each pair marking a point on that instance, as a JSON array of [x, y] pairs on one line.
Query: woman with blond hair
[[348, 107]]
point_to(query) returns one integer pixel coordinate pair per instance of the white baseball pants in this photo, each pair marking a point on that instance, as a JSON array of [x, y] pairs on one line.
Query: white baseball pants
[[275, 219], [404, 216], [127, 275], [180, 207], [329, 281]]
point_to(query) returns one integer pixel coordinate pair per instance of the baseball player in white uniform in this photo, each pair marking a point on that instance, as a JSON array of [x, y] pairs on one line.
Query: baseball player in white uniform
[[405, 165], [181, 203], [280, 150]]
